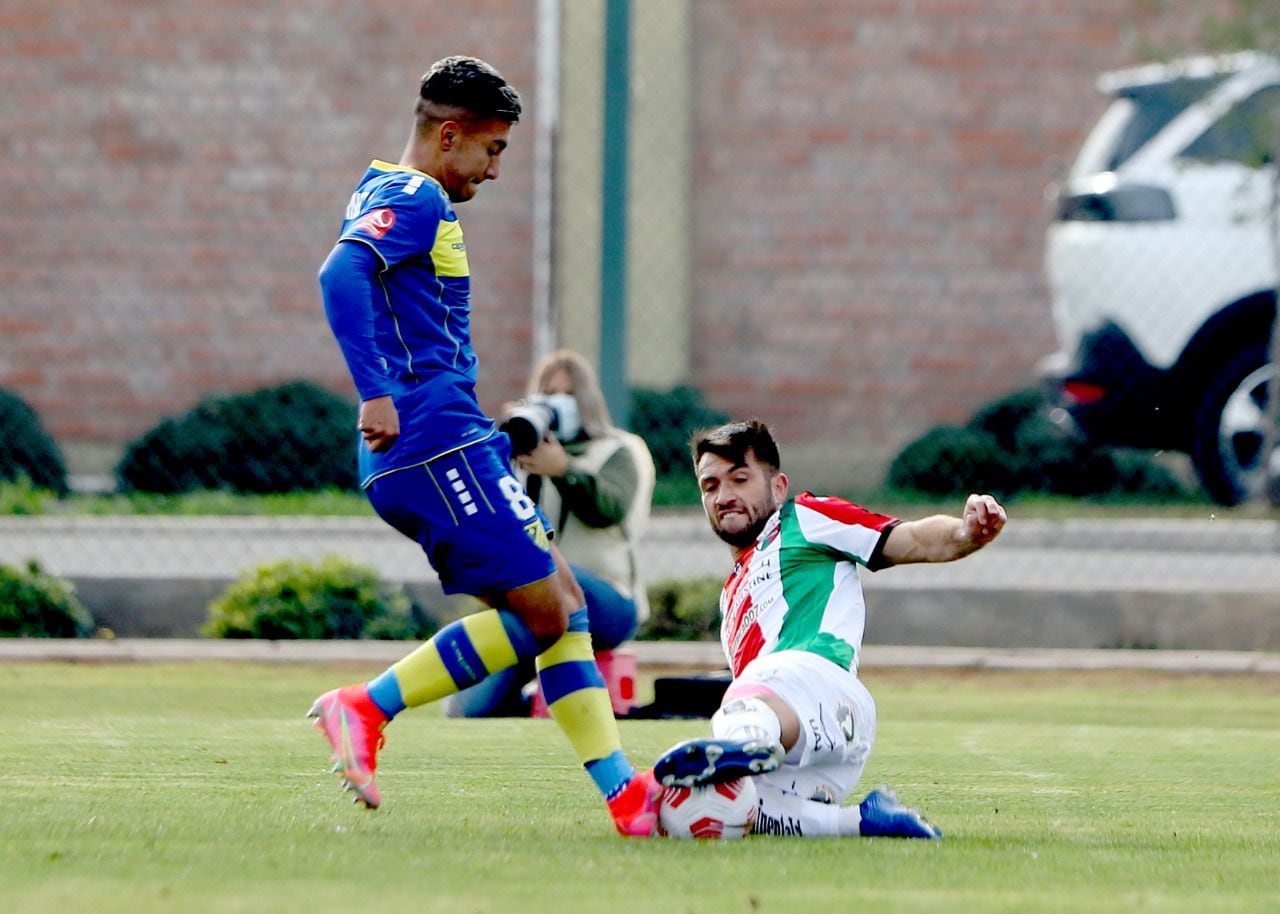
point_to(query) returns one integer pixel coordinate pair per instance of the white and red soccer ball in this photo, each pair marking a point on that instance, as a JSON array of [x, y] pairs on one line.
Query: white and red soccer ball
[[724, 811]]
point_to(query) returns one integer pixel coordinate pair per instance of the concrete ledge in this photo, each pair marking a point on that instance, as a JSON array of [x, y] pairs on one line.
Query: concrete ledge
[[1173, 584], [691, 655]]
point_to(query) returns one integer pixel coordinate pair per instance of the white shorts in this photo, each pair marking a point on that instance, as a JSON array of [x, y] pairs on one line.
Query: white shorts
[[837, 722]]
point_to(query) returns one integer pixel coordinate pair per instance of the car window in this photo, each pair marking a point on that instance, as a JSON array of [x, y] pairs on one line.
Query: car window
[[1154, 106], [1248, 133]]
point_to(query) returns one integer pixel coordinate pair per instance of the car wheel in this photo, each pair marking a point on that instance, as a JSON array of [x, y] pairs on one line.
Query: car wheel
[[1230, 424]]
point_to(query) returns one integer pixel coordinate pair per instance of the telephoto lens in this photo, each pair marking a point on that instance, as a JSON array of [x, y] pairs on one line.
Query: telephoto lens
[[527, 424]]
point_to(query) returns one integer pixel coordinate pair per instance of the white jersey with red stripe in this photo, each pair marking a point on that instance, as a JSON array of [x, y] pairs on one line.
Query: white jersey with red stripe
[[797, 587]]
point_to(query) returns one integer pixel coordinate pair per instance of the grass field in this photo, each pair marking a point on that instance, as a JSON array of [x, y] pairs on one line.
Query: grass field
[[153, 788]]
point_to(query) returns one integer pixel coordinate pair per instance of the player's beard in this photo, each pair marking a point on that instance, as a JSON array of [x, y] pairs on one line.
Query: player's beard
[[746, 536]]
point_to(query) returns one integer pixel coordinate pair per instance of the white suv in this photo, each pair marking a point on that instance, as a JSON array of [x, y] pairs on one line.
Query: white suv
[[1162, 266]]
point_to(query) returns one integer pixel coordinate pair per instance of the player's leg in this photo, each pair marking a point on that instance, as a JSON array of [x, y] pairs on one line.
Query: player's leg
[[612, 620], [500, 695], [750, 735], [579, 703], [827, 722], [611, 615], [478, 528]]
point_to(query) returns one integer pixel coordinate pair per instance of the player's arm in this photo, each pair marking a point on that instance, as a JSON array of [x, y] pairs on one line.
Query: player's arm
[[942, 538], [597, 499], [601, 499], [348, 280]]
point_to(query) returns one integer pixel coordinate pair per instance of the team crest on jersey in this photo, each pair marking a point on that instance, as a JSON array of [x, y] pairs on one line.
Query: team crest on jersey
[[376, 222], [538, 534], [848, 721], [770, 531]]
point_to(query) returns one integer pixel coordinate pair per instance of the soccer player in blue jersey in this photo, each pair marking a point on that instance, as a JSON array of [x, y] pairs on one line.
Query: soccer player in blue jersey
[[396, 291]]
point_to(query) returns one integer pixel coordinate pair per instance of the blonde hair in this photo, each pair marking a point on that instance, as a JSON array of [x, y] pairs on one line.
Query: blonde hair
[[592, 409]]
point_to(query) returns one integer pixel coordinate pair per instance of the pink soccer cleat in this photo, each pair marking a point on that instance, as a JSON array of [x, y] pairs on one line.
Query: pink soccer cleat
[[353, 725]]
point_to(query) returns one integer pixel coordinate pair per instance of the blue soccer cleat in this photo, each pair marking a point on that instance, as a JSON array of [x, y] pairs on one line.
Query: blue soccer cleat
[[714, 761], [884, 816]]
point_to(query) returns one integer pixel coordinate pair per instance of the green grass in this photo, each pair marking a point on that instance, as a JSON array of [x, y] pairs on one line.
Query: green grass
[[150, 788]]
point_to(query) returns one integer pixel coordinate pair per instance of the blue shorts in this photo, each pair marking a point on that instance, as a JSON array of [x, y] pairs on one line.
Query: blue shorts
[[480, 530]]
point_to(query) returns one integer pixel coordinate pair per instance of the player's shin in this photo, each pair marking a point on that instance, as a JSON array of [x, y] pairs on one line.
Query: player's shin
[[746, 717], [459, 655], [579, 703], [790, 815]]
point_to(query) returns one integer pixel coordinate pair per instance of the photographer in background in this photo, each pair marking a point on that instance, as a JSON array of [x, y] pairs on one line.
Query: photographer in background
[[594, 482]]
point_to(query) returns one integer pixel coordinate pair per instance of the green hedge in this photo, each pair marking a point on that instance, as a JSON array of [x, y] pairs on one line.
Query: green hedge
[[27, 451], [666, 420], [1010, 446], [34, 604], [294, 437], [683, 611], [333, 598]]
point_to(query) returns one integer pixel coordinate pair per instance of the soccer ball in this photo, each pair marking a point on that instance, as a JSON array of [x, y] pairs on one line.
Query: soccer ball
[[723, 811]]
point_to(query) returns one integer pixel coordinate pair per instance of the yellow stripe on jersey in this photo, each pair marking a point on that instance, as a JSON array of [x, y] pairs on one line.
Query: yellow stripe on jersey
[[449, 253], [392, 166]]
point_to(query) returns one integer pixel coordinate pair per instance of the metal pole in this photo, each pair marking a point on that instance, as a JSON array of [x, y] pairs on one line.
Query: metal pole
[[546, 126], [613, 213]]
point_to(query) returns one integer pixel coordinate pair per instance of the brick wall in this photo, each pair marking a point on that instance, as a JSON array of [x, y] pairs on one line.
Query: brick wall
[[173, 173], [869, 199], [868, 195]]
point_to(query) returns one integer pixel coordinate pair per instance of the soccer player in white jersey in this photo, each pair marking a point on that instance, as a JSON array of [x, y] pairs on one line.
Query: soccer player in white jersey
[[792, 617]]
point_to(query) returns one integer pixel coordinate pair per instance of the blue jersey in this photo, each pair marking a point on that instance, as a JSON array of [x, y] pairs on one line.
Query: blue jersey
[[408, 333]]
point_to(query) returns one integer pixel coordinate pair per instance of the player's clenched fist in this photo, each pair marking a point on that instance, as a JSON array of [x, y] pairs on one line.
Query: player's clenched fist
[[984, 518]]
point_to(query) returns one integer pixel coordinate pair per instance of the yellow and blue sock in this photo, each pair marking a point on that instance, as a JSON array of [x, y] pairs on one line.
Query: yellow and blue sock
[[579, 702], [459, 655]]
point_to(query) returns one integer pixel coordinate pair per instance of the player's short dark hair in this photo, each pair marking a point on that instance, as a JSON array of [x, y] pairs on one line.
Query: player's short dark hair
[[732, 440], [468, 84]]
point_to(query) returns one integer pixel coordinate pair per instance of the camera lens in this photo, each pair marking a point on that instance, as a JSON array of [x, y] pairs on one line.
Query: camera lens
[[527, 425], [524, 436]]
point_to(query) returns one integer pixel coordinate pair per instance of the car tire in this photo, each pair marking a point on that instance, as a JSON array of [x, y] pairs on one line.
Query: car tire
[[1228, 428]]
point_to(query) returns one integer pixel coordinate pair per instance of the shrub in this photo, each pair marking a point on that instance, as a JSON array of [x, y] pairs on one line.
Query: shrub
[[1005, 418], [294, 600], [329, 599], [34, 604], [666, 420], [22, 497], [683, 611], [947, 460], [26, 449], [1011, 446], [289, 438]]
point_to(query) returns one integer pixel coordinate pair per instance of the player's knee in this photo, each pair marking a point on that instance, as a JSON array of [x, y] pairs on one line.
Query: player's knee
[[544, 607], [746, 718], [546, 623]]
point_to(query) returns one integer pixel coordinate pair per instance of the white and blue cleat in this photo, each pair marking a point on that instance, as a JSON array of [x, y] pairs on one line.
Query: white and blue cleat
[[714, 761], [884, 816]]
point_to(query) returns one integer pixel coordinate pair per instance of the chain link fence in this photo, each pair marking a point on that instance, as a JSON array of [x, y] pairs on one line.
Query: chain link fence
[[833, 218]]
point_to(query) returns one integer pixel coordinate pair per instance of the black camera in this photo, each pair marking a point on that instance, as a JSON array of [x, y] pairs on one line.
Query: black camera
[[531, 420]]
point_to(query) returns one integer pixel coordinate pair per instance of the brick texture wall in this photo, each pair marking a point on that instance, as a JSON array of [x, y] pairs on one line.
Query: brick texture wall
[[868, 194], [172, 175], [869, 198]]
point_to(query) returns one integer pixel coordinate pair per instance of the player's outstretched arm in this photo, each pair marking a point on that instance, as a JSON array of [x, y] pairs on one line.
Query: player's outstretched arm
[[942, 538]]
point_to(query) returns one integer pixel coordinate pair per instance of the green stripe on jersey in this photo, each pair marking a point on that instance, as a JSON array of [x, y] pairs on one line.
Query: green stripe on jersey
[[808, 580]]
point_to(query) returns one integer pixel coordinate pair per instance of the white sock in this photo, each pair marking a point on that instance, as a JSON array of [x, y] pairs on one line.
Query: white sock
[[789, 814], [746, 718]]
